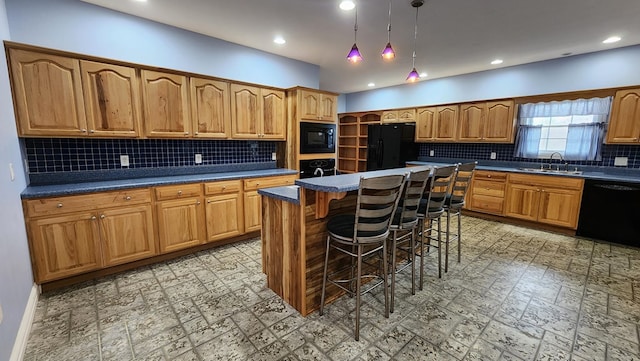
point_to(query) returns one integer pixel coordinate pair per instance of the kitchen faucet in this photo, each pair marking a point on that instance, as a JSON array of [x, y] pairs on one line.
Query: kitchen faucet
[[561, 160]]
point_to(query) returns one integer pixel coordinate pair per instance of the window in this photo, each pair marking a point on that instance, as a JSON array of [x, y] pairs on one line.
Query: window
[[573, 128]]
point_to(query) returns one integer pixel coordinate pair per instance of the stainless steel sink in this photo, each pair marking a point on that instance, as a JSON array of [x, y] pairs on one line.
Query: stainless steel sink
[[551, 171]]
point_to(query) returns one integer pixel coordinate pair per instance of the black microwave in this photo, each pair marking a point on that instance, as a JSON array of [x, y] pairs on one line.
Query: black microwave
[[317, 138]]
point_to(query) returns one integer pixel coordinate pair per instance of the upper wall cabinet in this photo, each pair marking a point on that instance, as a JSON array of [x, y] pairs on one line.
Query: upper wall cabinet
[[318, 106], [399, 116], [491, 122], [210, 108], [624, 124], [112, 99], [166, 106], [47, 92], [257, 113], [436, 123]]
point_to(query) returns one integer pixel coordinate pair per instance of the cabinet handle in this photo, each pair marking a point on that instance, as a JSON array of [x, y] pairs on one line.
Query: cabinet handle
[[179, 193], [198, 203], [93, 218], [196, 133], [186, 133], [127, 198], [488, 175], [92, 131], [102, 216], [83, 130], [59, 205], [208, 200]]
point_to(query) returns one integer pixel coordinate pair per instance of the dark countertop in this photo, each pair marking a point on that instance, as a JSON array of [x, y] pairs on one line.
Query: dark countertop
[[50, 190], [289, 194]]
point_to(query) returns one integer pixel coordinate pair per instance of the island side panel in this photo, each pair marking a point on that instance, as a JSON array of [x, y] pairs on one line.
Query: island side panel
[[315, 247], [282, 252]]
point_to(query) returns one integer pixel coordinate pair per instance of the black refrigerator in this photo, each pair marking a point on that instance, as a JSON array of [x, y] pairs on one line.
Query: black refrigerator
[[390, 145]]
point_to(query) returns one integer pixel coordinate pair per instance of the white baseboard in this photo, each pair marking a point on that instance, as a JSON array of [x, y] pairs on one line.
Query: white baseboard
[[20, 346]]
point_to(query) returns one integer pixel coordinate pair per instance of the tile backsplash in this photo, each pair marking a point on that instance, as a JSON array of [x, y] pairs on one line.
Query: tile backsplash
[[504, 152], [53, 155]]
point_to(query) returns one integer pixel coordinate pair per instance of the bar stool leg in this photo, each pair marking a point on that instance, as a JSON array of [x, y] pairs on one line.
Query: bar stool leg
[[358, 296], [412, 246], [440, 247], [385, 275], [446, 246], [393, 271], [459, 237], [324, 278], [422, 223]]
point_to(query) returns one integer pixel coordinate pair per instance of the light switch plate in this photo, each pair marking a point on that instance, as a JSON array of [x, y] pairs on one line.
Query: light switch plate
[[124, 160], [621, 161], [493, 155], [273, 156], [198, 159], [431, 153]]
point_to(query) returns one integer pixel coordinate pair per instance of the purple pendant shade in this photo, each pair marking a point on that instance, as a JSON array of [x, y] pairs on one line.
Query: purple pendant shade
[[388, 52], [354, 55], [413, 76]]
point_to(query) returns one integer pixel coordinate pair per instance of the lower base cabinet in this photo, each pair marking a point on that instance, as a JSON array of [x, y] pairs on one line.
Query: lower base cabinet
[[224, 210], [253, 201], [126, 234], [179, 223]]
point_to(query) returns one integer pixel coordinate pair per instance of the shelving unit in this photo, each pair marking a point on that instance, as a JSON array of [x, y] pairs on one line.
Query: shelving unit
[[352, 140]]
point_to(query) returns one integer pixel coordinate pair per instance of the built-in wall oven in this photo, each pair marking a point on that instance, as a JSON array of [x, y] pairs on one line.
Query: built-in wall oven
[[317, 138], [317, 167]]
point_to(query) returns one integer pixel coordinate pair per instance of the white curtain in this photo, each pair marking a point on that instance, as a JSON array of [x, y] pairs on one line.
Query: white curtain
[[584, 136]]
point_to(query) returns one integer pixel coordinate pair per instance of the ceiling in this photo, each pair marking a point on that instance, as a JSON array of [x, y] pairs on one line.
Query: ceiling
[[454, 36]]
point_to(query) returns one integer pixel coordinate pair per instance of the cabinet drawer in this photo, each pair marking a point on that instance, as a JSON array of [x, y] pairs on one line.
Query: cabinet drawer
[[257, 183], [222, 187], [488, 175], [85, 202], [488, 188], [178, 191], [547, 181], [487, 204]]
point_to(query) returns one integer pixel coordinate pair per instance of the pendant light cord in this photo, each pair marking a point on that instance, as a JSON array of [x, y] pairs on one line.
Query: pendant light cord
[[415, 38], [355, 28], [389, 25]]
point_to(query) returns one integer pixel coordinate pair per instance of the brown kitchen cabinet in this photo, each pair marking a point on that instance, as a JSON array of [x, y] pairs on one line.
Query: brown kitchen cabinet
[[487, 192], [224, 209], [253, 201], [624, 123], [71, 235], [47, 94], [166, 105], [180, 216], [436, 123], [316, 105], [490, 122], [399, 116], [352, 140], [552, 200], [257, 113], [210, 108]]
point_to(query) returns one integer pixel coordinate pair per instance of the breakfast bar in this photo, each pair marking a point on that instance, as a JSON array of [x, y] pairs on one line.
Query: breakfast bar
[[294, 234]]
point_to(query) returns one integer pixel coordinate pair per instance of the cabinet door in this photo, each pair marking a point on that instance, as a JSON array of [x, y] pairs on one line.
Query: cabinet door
[[407, 115], [559, 207], [210, 108], [64, 246], [224, 216], [500, 122], [127, 234], [166, 109], [389, 116], [472, 120], [47, 91], [446, 121], [624, 125], [179, 224], [309, 105], [522, 201], [112, 99], [252, 211], [246, 111], [273, 114], [328, 107], [425, 121]]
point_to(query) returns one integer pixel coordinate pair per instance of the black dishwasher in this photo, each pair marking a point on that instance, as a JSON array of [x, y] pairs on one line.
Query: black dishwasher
[[610, 211]]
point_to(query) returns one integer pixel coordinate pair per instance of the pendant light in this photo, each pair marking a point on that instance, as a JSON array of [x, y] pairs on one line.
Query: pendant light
[[413, 74], [354, 55], [388, 53]]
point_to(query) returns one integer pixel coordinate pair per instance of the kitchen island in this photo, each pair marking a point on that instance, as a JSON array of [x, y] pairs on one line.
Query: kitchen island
[[294, 234]]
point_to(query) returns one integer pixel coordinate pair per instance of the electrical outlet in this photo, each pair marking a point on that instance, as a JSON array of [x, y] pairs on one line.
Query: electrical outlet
[[1, 314], [431, 153], [124, 160], [12, 174], [493, 155], [198, 159], [273, 156], [621, 161]]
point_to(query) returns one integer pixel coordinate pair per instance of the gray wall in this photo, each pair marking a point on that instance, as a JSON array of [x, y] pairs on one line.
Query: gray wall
[[605, 69], [15, 267]]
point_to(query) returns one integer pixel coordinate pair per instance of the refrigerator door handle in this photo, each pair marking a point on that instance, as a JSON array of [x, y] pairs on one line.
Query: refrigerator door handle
[[380, 152]]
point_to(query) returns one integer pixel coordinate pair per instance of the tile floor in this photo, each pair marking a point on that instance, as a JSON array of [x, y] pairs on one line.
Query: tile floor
[[519, 294]]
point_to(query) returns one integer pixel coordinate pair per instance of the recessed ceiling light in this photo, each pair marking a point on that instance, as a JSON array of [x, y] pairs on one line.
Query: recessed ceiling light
[[611, 39], [347, 5], [423, 75], [140, 1], [279, 40], [371, 85], [496, 62]]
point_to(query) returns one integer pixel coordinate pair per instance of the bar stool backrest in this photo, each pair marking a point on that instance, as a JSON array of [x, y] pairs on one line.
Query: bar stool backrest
[[461, 183], [407, 215], [436, 190], [377, 202]]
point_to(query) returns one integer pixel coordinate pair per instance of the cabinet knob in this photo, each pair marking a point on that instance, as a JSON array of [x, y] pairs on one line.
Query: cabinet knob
[[224, 187], [208, 200], [179, 193], [102, 216], [186, 133], [92, 131], [488, 175], [59, 205], [93, 218], [83, 130], [127, 198], [198, 203], [196, 133]]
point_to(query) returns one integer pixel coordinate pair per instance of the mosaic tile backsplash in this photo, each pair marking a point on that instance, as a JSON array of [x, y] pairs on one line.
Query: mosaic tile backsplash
[[504, 152], [53, 155]]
